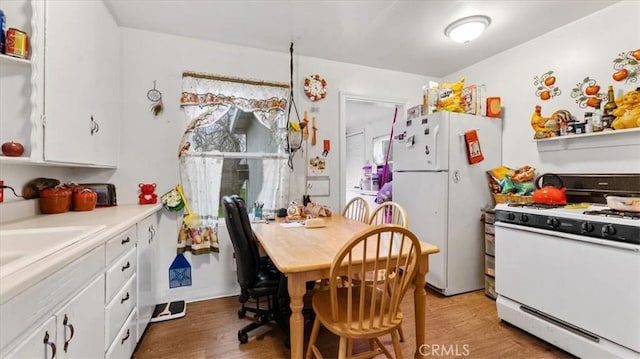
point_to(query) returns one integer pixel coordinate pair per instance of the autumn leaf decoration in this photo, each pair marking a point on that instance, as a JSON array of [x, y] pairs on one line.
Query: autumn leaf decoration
[[626, 66], [587, 93], [545, 86]]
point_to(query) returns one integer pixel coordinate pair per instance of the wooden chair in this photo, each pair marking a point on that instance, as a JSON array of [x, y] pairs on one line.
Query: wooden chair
[[357, 209], [367, 311], [389, 213]]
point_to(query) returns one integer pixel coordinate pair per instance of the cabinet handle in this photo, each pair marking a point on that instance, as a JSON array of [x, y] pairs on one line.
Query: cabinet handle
[[51, 344], [126, 266], [65, 323], [93, 126], [150, 229], [125, 338], [126, 297], [125, 241]]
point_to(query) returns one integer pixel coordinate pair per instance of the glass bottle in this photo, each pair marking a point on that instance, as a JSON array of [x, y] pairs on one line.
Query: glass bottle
[[608, 116], [596, 120]]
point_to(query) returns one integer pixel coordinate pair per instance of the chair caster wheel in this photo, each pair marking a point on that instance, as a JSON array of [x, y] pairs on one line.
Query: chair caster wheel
[[243, 338], [241, 313]]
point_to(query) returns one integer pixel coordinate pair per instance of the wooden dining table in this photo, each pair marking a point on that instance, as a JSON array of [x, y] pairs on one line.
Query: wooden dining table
[[305, 254]]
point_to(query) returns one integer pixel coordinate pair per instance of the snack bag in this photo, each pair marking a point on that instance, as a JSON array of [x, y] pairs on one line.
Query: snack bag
[[449, 96]]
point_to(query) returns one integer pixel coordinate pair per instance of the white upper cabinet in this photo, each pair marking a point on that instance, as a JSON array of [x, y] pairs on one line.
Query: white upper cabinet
[[82, 77], [15, 83]]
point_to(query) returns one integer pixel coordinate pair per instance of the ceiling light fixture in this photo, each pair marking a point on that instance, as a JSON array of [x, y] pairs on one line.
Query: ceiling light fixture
[[468, 28]]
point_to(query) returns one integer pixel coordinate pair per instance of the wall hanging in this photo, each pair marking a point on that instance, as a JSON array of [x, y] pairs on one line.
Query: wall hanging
[[155, 97], [315, 88], [295, 127]]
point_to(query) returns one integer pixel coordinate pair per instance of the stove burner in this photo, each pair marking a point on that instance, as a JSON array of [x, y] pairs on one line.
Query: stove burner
[[614, 213], [535, 205]]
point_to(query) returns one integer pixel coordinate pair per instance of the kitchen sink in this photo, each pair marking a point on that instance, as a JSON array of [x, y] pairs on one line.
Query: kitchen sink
[[22, 247]]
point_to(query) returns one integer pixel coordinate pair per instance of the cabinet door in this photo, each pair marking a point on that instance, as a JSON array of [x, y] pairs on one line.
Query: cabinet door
[[80, 323], [147, 243], [69, 69], [39, 345], [107, 88], [81, 69]]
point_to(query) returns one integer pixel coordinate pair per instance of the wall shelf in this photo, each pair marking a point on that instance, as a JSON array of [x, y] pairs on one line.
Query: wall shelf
[[14, 60], [607, 138]]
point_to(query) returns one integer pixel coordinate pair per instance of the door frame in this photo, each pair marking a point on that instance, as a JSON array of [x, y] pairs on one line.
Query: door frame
[[344, 98]]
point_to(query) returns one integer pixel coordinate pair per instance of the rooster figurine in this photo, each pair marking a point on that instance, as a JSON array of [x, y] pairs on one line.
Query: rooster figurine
[[544, 127]]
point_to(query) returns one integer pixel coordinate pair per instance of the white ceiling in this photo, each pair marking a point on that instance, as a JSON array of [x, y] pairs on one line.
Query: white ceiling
[[402, 35]]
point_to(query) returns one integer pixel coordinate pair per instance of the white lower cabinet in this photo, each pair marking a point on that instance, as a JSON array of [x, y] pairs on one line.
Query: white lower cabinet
[[78, 336], [88, 309], [72, 332], [147, 243], [41, 343]]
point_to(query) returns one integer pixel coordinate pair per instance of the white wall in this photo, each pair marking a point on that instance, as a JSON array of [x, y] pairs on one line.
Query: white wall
[[583, 48], [149, 145]]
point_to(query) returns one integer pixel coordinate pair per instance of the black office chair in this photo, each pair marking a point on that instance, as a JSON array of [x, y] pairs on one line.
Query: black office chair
[[263, 261], [256, 281]]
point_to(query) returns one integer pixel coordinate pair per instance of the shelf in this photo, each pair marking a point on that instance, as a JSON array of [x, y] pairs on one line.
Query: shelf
[[15, 160], [6, 160], [607, 138], [14, 60]]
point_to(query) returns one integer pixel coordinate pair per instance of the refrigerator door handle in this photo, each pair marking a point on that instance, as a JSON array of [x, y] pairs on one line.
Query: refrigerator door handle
[[435, 145]]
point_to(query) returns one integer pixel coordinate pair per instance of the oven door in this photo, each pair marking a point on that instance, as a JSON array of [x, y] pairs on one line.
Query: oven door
[[590, 283]]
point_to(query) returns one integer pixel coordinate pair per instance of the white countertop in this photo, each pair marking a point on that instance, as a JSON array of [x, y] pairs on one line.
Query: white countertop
[[116, 219]]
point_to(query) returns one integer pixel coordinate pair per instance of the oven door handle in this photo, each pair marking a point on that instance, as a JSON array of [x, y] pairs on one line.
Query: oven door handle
[[562, 235]]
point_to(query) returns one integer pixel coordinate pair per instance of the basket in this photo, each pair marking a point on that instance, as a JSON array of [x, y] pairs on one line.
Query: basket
[[510, 198]]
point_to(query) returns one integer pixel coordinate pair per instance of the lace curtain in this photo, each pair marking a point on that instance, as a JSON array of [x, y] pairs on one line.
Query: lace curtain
[[210, 104]]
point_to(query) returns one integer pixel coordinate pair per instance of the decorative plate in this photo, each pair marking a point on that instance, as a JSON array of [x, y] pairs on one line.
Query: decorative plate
[[315, 87]]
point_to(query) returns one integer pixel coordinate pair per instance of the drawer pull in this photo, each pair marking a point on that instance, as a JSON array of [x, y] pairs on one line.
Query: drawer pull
[[125, 338], [125, 241], [51, 344], [126, 297], [126, 266], [65, 323]]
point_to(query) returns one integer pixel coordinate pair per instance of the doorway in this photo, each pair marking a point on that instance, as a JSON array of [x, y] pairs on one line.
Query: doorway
[[369, 120]]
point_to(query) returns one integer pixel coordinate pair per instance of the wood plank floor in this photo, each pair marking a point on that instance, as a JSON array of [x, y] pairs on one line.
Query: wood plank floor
[[465, 325]]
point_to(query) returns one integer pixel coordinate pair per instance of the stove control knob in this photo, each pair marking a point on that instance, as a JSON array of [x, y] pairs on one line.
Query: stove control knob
[[608, 229], [511, 216], [586, 227], [553, 222], [524, 218]]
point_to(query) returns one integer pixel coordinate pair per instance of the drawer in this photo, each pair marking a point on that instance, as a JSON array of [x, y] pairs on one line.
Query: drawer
[[125, 341], [119, 273], [118, 310], [490, 244], [489, 217], [121, 243], [489, 228], [490, 287], [489, 265]]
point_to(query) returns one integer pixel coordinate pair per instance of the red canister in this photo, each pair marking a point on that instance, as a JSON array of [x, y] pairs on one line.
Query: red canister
[[55, 200], [17, 43]]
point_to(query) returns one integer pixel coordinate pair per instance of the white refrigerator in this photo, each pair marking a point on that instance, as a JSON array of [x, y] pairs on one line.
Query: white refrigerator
[[443, 194]]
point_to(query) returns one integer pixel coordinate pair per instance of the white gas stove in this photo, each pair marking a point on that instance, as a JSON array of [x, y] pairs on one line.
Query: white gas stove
[[571, 276]]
